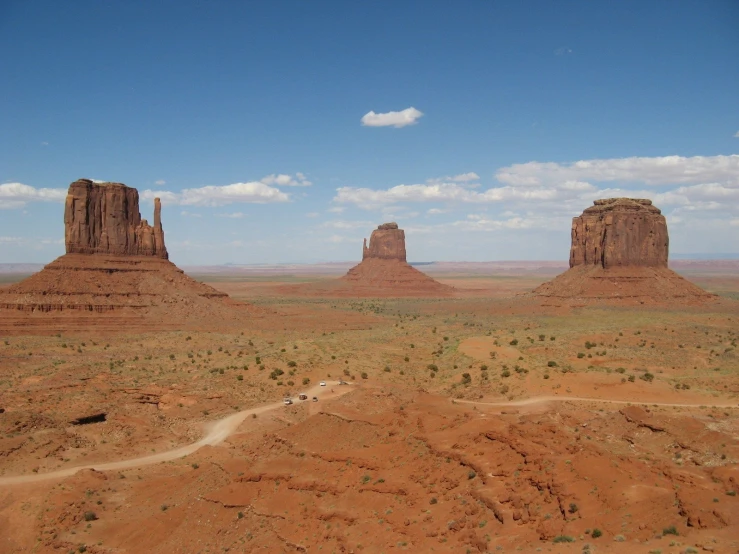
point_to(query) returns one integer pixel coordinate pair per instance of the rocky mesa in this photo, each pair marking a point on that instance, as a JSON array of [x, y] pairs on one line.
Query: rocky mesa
[[104, 218], [618, 232], [385, 271], [619, 253], [115, 274]]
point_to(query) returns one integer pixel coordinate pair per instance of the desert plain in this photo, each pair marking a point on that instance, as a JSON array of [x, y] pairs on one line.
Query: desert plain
[[486, 420]]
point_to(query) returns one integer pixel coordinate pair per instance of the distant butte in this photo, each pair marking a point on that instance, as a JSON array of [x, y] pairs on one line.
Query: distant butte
[[116, 264], [619, 252], [384, 268]]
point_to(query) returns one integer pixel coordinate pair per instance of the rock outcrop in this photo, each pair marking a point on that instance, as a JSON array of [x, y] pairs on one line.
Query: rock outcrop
[[384, 270], [619, 253], [620, 232], [116, 275], [387, 242], [104, 218]]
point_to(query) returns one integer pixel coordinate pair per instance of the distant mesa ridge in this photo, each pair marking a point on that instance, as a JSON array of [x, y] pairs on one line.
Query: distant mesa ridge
[[619, 252], [104, 218]]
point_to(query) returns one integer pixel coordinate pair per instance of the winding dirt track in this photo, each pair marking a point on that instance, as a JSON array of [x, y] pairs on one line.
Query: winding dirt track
[[220, 430], [216, 432], [544, 399]]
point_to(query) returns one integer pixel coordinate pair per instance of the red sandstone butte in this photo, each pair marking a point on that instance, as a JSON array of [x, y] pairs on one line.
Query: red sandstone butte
[[620, 232], [104, 218], [115, 275], [387, 242], [384, 269], [619, 253]]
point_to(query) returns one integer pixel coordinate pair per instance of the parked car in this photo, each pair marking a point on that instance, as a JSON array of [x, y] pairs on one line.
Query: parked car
[[315, 399], [288, 401], [303, 397], [323, 383]]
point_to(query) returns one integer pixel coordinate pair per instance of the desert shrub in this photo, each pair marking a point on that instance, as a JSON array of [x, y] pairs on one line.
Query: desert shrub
[[563, 538], [483, 367], [648, 377], [573, 508], [631, 379], [387, 369], [466, 378], [590, 345], [596, 533], [514, 342], [364, 375], [671, 530], [505, 373], [542, 337], [90, 516], [306, 380], [432, 367], [291, 363], [239, 377], [552, 338], [551, 363], [580, 355], [433, 500], [620, 370], [471, 474]]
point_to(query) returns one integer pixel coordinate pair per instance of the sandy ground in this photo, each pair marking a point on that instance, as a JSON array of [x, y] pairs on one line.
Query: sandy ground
[[478, 423]]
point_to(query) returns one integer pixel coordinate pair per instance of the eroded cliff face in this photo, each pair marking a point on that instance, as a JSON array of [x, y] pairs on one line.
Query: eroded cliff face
[[387, 242], [104, 218], [620, 232]]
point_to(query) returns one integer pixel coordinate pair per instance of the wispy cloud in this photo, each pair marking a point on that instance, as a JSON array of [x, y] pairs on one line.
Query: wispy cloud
[[409, 116], [17, 195], [650, 171], [160, 182], [736, 134], [237, 193], [234, 215], [563, 51], [189, 214], [282, 180]]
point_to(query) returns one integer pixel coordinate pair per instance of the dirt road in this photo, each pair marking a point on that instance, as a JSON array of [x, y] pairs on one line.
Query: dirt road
[[215, 433], [545, 399]]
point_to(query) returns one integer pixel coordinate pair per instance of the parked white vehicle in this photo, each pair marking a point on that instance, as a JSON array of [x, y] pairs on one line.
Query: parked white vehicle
[[323, 383], [288, 401]]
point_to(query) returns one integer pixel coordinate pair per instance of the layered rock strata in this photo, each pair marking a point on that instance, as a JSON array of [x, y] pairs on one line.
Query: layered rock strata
[[104, 218], [619, 252]]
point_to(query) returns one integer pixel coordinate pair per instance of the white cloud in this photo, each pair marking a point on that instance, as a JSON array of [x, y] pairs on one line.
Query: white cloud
[[435, 211], [17, 195], [160, 182], [234, 215], [409, 116], [461, 178], [189, 214], [466, 177], [562, 51], [651, 171], [282, 180], [736, 134], [248, 193], [336, 209], [444, 192], [476, 222]]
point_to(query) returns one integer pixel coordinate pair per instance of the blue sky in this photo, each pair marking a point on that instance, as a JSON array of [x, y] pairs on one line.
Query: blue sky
[[286, 131]]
